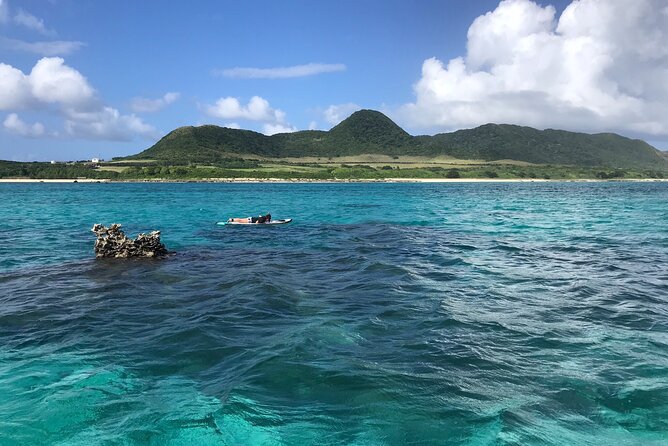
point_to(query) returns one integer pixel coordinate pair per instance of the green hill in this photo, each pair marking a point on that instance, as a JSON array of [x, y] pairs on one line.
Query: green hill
[[207, 143], [368, 131], [496, 142], [371, 132]]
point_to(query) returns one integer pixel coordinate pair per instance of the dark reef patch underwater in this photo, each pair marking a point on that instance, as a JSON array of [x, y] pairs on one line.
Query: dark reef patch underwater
[[391, 314]]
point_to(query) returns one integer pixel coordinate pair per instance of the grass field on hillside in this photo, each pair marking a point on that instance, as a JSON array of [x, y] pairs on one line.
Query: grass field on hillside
[[345, 168], [351, 171]]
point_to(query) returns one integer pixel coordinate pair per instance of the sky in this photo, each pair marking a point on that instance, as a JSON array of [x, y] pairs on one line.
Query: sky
[[84, 79]]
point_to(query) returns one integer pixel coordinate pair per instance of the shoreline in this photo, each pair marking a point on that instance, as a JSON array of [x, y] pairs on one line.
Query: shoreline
[[60, 180], [360, 180]]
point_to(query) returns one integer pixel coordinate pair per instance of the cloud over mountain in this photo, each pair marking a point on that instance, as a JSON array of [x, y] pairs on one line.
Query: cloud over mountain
[[258, 109], [338, 112], [602, 65], [146, 105]]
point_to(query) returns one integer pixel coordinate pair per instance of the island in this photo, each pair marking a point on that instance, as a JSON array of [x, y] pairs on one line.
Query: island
[[367, 146]]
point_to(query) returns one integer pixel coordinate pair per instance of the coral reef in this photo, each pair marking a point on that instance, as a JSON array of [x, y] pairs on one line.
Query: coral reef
[[112, 242]]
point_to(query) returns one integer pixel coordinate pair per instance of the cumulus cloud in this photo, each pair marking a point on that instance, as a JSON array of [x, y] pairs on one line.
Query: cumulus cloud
[[31, 22], [258, 109], [309, 69], [145, 105], [337, 113], [106, 123], [14, 124], [272, 129], [43, 48], [15, 88], [54, 86], [52, 81], [602, 65]]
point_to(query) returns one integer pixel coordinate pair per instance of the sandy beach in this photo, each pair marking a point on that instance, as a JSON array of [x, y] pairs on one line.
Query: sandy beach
[[61, 180]]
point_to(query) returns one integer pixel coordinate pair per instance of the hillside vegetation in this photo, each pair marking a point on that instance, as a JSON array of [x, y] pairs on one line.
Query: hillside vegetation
[[239, 168], [371, 132]]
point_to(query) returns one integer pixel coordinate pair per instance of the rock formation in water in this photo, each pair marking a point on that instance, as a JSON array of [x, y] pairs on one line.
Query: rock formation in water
[[112, 242]]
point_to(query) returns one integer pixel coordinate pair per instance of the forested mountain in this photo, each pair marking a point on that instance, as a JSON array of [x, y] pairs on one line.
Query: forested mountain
[[371, 132]]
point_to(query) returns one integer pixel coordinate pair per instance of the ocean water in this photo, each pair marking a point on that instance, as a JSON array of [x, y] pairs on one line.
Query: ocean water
[[385, 314]]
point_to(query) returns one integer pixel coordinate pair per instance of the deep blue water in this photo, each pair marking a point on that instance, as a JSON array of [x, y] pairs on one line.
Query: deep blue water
[[385, 314]]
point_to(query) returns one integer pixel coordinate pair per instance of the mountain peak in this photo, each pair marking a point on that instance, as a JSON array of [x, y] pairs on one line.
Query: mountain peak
[[372, 129], [368, 120]]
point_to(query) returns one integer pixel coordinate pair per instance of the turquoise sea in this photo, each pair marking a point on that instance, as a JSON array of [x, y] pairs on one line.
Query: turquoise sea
[[385, 314]]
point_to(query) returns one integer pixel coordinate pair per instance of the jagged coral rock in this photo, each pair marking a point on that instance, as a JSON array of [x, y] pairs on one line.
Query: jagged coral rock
[[112, 242]]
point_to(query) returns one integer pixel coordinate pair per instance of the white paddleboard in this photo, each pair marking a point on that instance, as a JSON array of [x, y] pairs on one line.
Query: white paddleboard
[[272, 222]]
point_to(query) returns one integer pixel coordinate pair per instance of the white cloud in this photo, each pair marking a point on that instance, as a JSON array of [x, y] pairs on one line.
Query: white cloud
[[257, 109], [52, 84], [50, 81], [25, 19], [4, 11], [14, 124], [313, 125], [272, 129], [14, 88], [232, 125], [31, 22], [145, 105], [106, 123], [337, 113], [309, 69], [602, 65], [45, 48]]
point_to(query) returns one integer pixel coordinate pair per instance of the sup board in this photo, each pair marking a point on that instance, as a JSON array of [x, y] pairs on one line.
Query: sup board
[[272, 222]]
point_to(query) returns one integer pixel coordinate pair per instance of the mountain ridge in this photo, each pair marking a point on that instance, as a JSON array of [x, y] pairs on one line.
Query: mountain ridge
[[371, 132]]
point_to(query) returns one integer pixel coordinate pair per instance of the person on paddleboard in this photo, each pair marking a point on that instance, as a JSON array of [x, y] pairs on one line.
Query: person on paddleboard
[[259, 219]]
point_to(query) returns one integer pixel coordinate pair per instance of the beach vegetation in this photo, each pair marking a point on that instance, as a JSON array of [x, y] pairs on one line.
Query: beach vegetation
[[453, 173]]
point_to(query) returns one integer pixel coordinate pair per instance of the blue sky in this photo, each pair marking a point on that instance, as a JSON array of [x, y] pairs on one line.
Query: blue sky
[[104, 79]]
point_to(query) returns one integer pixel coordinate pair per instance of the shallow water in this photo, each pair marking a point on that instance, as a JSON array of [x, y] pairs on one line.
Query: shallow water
[[384, 314]]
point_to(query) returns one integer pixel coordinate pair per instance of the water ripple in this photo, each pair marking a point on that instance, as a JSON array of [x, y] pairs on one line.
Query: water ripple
[[505, 331]]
